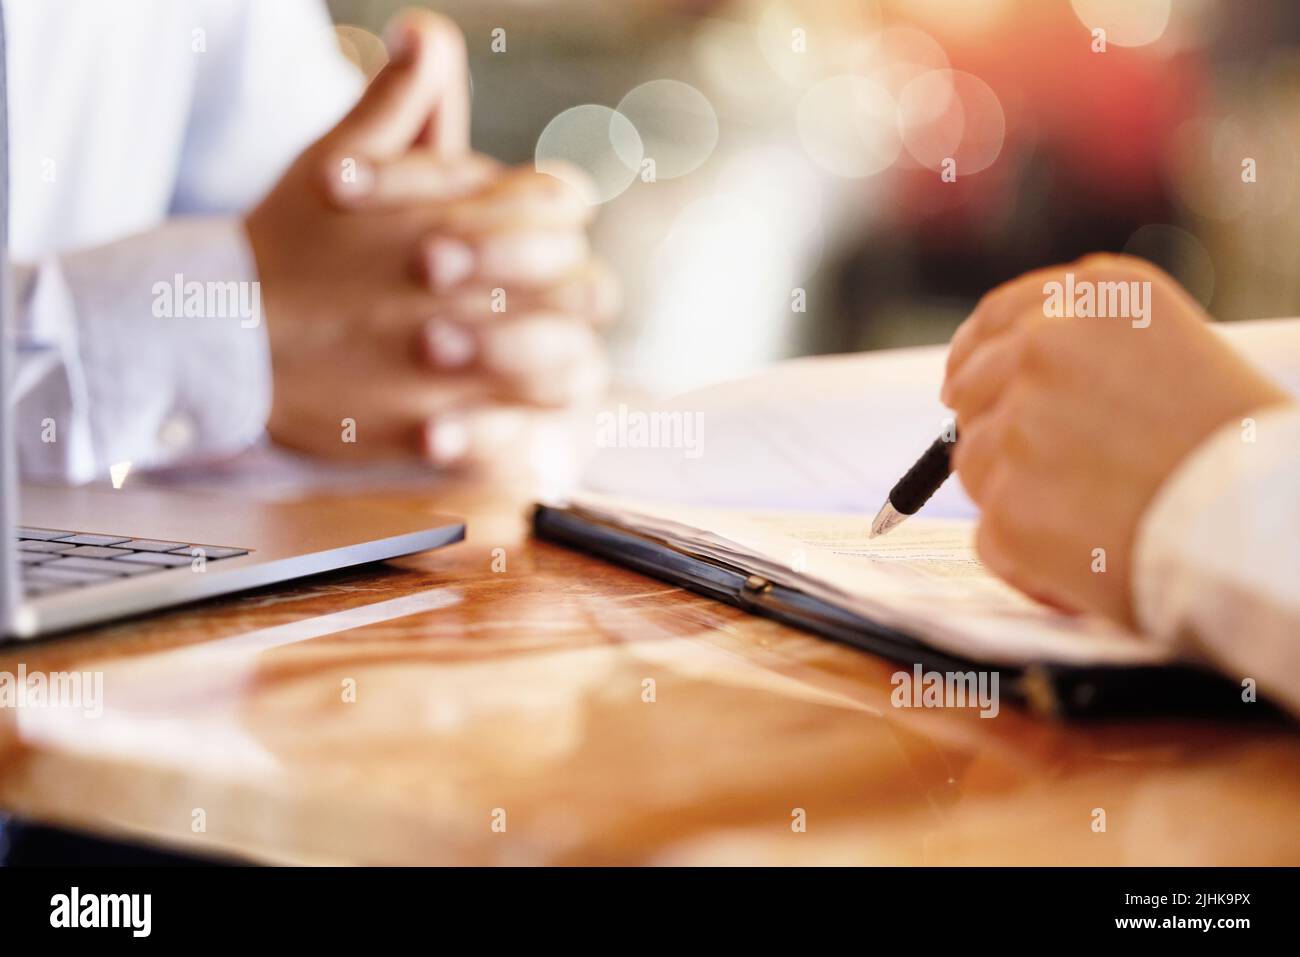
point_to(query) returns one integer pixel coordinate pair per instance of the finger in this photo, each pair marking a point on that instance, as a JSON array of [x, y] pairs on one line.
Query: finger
[[447, 132], [539, 359], [416, 177], [1004, 549], [996, 312], [467, 436], [450, 345], [523, 258], [979, 450], [982, 378], [519, 197], [501, 440], [999, 554], [397, 106], [544, 360], [592, 291]]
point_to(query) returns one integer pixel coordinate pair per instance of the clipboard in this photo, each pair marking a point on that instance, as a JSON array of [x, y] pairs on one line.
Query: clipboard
[[1060, 691]]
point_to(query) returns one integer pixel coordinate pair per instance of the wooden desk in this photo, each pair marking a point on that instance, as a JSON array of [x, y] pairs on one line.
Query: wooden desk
[[480, 690]]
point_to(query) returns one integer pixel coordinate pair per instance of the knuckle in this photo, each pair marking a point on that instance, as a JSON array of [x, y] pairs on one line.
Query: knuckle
[[1118, 266], [1000, 555], [1014, 405], [986, 539], [1096, 262], [970, 483], [992, 305], [1003, 508], [997, 493], [1003, 290], [1016, 440], [527, 179], [1041, 345], [959, 344], [957, 386], [564, 179], [434, 28], [974, 457], [989, 545], [975, 443]]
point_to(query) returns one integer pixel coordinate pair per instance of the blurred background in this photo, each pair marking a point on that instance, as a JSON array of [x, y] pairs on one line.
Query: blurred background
[[781, 178]]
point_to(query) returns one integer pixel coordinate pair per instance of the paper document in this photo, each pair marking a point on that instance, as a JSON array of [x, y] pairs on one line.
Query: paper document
[[784, 470], [923, 578]]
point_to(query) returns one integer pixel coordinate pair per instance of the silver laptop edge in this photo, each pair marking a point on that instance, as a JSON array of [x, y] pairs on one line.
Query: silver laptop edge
[[10, 598]]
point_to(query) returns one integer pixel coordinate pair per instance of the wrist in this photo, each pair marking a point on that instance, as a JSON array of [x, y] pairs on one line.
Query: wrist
[[1204, 499]]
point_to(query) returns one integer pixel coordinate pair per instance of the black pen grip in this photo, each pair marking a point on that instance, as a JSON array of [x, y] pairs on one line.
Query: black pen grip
[[924, 478]]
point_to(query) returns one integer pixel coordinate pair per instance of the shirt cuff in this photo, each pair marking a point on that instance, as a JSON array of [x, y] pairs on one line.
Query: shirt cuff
[[160, 352], [1215, 560]]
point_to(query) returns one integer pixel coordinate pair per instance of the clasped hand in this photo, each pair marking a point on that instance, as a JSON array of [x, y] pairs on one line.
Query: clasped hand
[[437, 302]]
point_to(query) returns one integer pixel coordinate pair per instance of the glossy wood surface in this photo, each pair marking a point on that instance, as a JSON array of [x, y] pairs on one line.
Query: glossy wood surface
[[501, 716]]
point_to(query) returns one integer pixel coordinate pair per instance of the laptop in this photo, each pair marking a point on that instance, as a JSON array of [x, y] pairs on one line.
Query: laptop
[[78, 556]]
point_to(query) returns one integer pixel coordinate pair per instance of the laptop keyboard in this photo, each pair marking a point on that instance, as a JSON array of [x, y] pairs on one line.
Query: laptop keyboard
[[52, 560]]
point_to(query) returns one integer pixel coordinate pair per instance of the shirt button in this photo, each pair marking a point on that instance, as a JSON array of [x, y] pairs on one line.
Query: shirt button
[[176, 432]]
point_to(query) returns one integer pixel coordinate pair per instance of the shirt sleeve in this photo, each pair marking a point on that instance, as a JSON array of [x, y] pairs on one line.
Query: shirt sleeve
[[148, 350], [1217, 559], [151, 349], [271, 81]]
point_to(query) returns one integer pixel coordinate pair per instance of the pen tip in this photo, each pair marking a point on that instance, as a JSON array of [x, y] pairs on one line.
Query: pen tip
[[887, 518]]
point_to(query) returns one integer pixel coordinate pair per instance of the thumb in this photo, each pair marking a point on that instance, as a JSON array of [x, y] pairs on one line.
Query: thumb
[[421, 96]]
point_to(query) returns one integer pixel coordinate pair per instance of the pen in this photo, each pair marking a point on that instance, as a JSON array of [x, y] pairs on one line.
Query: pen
[[915, 488]]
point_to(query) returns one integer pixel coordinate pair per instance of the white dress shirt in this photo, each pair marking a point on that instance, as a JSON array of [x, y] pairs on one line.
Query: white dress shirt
[[1217, 560], [1217, 557], [140, 130]]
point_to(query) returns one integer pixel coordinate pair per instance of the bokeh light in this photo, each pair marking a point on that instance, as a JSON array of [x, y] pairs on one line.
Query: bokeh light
[[779, 29], [848, 126], [1227, 167], [955, 16], [1128, 23], [951, 114], [807, 42], [896, 55], [677, 125], [599, 142], [731, 66]]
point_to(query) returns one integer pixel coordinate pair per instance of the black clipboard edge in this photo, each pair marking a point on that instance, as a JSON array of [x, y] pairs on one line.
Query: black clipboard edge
[[1060, 691]]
